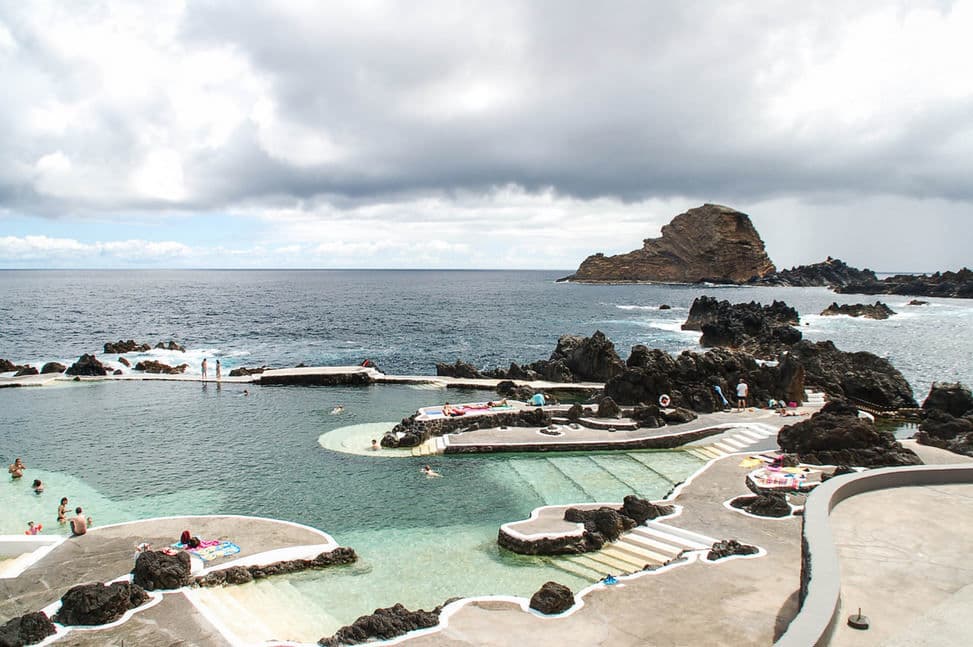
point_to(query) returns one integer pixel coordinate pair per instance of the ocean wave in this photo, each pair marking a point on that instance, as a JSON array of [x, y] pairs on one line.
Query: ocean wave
[[649, 308]]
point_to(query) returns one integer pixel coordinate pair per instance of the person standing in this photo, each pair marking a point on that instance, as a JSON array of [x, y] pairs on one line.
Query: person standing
[[62, 511], [219, 371], [742, 392], [202, 369]]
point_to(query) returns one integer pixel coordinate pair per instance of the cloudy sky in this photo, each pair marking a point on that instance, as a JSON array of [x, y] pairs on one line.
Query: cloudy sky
[[480, 134]]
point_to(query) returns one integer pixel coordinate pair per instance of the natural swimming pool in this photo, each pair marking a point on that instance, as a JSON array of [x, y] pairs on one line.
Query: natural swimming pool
[[135, 450]]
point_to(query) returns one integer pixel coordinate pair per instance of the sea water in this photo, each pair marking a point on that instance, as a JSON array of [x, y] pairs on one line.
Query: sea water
[[141, 449]]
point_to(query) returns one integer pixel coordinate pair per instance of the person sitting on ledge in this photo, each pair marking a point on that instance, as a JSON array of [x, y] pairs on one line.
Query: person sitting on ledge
[[79, 523], [538, 400]]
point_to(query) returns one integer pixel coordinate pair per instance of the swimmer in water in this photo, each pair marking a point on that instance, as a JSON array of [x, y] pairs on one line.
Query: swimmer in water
[[430, 472], [374, 445], [338, 409]]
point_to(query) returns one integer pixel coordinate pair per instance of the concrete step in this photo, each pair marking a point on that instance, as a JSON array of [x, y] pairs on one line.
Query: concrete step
[[636, 562], [569, 565], [751, 436], [640, 550], [711, 451], [687, 537], [664, 549], [698, 454], [737, 442], [725, 448], [609, 563]]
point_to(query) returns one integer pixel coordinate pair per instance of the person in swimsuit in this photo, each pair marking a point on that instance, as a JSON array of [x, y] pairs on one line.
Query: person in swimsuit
[[62, 511], [79, 524], [16, 469], [202, 369], [219, 371]]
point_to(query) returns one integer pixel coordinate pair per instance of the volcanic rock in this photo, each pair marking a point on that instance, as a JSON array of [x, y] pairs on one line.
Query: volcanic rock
[[460, 369], [642, 510], [877, 311], [87, 365], [835, 435], [28, 629], [157, 570], [709, 243], [773, 504], [917, 302], [648, 417], [832, 273], [243, 574], [6, 366], [601, 525], [152, 366], [728, 548], [941, 284], [121, 346], [171, 345], [552, 598], [383, 624], [679, 416], [608, 409], [53, 367], [665, 306], [948, 418], [124, 362], [761, 330], [859, 376], [99, 604], [243, 371], [26, 370]]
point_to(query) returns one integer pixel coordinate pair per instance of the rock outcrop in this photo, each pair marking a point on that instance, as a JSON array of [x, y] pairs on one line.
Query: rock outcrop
[[412, 432], [877, 311], [552, 598], [859, 376], [152, 366], [941, 284], [243, 574], [948, 418], [121, 346], [771, 504], [575, 359], [831, 273], [170, 345], [26, 370], [156, 570], [710, 243], [758, 329], [835, 435], [28, 629], [383, 624], [53, 367], [243, 371], [99, 604], [87, 365], [6, 366], [728, 548]]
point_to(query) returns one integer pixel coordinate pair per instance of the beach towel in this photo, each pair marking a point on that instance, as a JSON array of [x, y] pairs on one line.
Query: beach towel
[[211, 549]]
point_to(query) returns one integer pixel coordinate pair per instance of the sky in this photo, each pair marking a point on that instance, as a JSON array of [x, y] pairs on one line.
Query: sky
[[480, 134]]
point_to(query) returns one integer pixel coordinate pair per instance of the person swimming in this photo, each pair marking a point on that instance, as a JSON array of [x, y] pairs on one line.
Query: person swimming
[[374, 445], [337, 409], [430, 472]]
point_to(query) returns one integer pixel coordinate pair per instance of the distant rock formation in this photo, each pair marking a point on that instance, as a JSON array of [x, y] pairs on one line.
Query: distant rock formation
[[122, 346], [53, 367], [941, 284], [6, 366], [761, 330], [835, 435], [26, 370], [877, 311], [832, 272], [575, 359], [948, 418], [152, 366], [87, 365], [711, 243], [243, 371]]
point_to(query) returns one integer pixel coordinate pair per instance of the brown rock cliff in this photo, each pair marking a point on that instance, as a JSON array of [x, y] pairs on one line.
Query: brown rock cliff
[[708, 243]]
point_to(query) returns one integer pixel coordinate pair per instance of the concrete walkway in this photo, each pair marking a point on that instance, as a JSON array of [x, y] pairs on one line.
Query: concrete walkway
[[734, 602], [107, 553]]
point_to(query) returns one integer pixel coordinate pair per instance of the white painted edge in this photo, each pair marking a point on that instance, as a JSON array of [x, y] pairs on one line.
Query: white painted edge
[[536, 512], [328, 539], [155, 597], [277, 555], [36, 555]]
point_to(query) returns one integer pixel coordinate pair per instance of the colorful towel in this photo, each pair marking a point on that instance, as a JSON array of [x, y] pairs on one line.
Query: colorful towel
[[211, 549]]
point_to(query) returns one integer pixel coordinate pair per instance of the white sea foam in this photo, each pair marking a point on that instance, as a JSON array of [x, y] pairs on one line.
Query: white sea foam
[[651, 308]]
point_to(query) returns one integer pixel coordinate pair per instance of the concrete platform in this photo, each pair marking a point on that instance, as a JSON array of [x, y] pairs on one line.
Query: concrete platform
[[107, 553]]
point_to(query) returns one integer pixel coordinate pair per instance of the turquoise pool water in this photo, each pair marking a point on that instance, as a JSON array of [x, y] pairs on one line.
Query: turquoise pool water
[[126, 451]]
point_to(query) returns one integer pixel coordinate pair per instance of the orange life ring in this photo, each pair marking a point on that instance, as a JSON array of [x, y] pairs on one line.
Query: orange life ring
[[664, 400]]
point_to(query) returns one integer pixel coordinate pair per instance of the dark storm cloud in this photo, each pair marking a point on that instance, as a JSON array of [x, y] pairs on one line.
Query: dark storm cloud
[[631, 100]]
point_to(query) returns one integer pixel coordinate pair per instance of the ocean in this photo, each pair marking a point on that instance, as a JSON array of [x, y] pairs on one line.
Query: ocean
[[129, 450]]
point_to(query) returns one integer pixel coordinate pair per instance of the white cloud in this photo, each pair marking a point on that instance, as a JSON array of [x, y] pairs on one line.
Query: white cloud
[[25, 248]]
